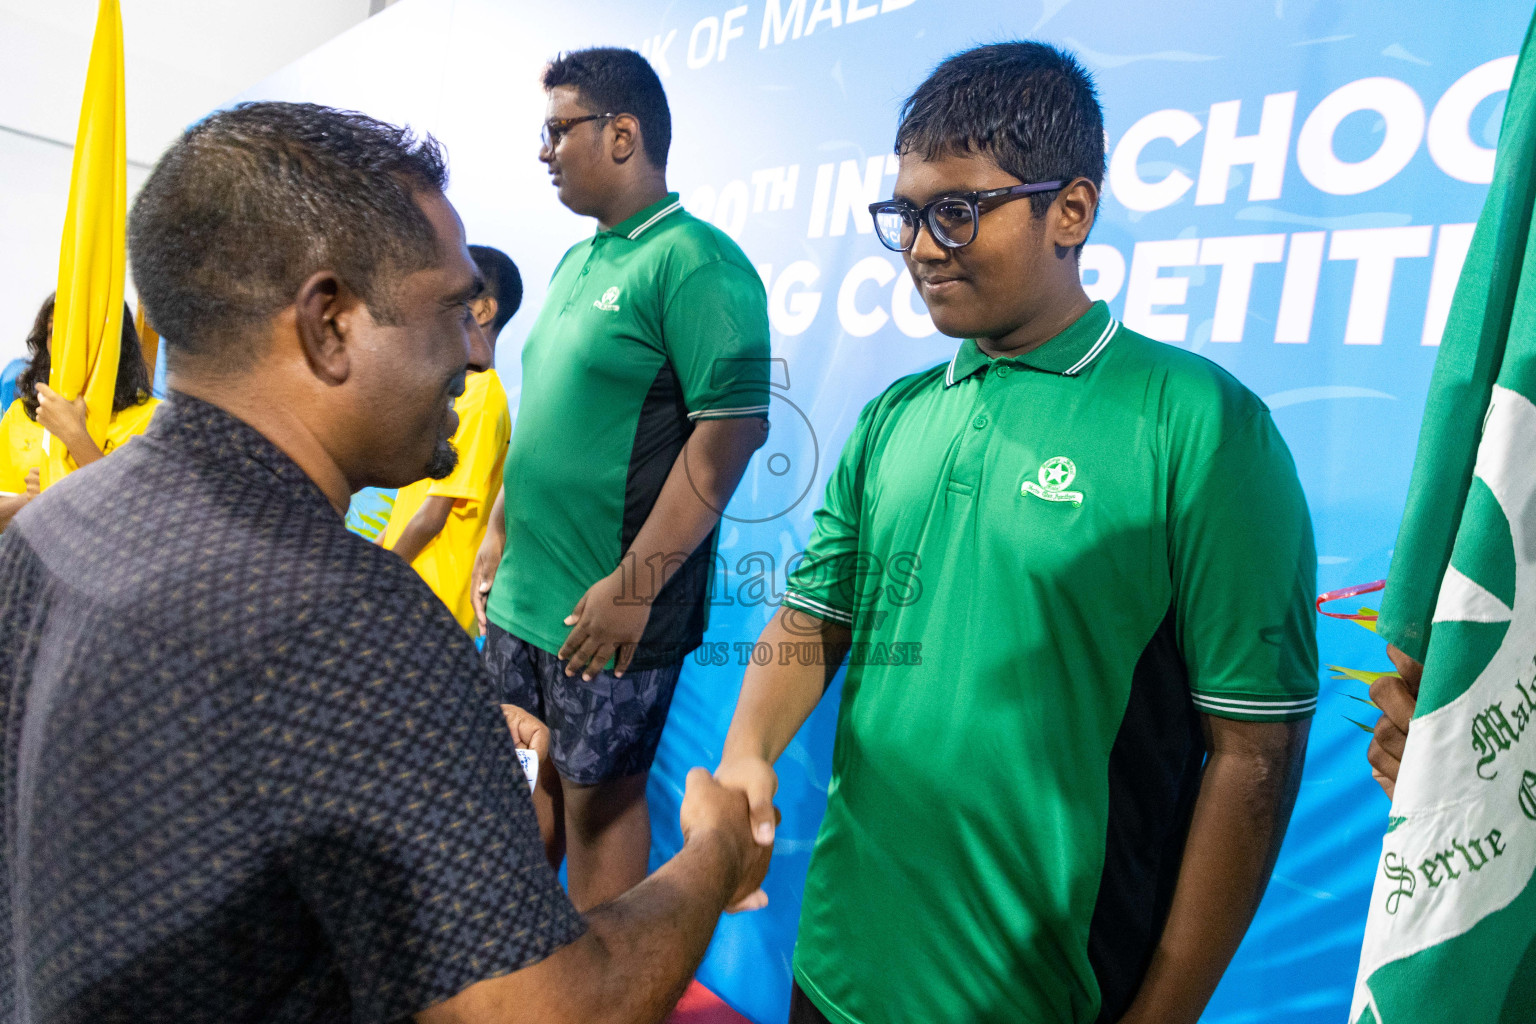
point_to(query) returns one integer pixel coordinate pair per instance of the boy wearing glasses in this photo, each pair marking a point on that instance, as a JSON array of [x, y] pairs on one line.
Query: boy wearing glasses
[[1069, 809], [645, 392]]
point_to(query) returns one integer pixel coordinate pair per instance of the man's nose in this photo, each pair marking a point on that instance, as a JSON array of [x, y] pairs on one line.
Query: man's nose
[[481, 356]]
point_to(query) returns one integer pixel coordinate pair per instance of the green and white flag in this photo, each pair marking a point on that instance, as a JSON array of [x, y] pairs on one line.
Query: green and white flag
[[1451, 935]]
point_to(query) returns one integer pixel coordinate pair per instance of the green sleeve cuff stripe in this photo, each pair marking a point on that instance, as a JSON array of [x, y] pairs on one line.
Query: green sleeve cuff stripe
[[823, 611], [1254, 716], [734, 412], [1257, 708], [1279, 700]]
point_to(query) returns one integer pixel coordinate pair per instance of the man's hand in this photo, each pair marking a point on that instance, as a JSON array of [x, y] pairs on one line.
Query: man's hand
[[709, 807], [605, 626], [1396, 696], [756, 779], [34, 476], [639, 950], [65, 420], [484, 573], [527, 731]]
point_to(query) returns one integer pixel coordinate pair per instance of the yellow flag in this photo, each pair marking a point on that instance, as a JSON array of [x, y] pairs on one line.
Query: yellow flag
[[88, 314]]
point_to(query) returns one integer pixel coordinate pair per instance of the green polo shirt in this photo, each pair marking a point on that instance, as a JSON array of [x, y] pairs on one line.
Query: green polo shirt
[[647, 329], [1052, 565]]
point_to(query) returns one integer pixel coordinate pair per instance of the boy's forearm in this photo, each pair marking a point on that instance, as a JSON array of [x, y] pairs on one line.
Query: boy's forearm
[[777, 698], [699, 486], [1247, 792], [9, 506], [497, 523], [426, 524]]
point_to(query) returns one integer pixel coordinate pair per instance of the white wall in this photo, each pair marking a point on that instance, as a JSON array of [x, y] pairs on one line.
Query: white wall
[[184, 58], [34, 187]]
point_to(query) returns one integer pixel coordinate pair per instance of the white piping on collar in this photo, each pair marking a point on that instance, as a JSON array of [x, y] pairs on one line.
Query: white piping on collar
[[1093, 353], [673, 207], [1071, 371]]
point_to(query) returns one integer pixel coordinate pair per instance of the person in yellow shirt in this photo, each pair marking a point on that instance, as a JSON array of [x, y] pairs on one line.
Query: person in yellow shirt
[[437, 525], [38, 408]]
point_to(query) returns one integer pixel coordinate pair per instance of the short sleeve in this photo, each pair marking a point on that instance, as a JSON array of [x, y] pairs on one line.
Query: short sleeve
[[13, 475], [129, 423], [387, 767], [825, 580], [481, 441], [715, 329], [1245, 574]]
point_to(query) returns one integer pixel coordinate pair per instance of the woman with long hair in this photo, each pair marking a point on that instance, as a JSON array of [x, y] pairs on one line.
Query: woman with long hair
[[38, 408]]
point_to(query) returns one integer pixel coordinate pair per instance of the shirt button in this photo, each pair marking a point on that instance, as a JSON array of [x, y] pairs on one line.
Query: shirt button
[[1002, 371], [584, 271], [980, 422]]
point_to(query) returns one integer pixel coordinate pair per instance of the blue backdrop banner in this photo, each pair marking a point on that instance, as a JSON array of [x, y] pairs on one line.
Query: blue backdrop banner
[[1292, 187]]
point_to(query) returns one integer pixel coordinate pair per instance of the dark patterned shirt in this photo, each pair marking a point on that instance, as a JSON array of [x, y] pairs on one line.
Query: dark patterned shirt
[[253, 771]]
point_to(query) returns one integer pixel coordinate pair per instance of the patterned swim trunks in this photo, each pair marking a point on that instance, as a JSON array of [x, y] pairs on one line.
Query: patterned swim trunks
[[600, 729]]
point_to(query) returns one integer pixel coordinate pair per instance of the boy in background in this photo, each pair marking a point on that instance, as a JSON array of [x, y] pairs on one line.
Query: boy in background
[[437, 525]]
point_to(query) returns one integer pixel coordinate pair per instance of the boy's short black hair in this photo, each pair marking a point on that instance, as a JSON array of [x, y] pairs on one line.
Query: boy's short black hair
[[251, 201], [1029, 106], [617, 81], [502, 280]]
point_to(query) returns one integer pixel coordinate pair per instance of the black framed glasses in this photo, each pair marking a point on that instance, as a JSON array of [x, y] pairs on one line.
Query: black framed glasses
[[951, 219], [554, 130]]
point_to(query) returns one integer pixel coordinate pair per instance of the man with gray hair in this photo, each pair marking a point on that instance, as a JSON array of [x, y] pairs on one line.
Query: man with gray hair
[[253, 769]]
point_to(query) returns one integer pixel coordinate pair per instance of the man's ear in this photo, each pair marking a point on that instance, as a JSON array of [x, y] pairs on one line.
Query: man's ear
[[326, 312], [626, 137], [484, 307], [1072, 214]]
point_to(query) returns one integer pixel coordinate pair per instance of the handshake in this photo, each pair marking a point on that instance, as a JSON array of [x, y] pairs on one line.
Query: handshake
[[731, 811]]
